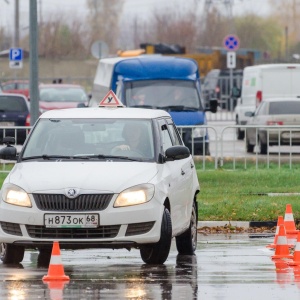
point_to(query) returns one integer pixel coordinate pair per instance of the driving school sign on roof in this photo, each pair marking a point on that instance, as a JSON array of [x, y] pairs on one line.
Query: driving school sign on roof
[[110, 100]]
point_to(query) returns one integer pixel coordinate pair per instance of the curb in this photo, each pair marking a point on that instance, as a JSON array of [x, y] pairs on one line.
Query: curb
[[243, 224]]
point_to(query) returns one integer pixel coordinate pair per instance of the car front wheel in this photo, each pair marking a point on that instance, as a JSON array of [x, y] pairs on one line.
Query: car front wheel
[[158, 253], [11, 254], [186, 242]]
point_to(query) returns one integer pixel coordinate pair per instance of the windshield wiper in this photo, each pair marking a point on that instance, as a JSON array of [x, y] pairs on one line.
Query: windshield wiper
[[86, 157], [143, 106], [177, 108], [47, 157], [101, 156]]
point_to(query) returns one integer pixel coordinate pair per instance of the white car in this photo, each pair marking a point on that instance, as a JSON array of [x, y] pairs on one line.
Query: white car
[[77, 181]]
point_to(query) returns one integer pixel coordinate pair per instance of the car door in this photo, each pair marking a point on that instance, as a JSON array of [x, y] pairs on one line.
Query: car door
[[179, 178], [257, 119]]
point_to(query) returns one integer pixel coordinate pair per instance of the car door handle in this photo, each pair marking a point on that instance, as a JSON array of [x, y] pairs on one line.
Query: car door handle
[[192, 166], [182, 172]]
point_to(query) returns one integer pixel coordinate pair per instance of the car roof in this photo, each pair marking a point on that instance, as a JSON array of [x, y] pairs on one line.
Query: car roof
[[14, 95], [59, 85], [282, 99], [15, 81], [105, 113]]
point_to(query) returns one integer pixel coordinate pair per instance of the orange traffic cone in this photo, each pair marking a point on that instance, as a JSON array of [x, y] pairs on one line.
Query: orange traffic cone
[[289, 222], [296, 256], [280, 221], [56, 269], [282, 248]]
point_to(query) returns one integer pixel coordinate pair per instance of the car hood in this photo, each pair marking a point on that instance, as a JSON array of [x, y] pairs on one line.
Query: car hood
[[93, 177], [57, 105]]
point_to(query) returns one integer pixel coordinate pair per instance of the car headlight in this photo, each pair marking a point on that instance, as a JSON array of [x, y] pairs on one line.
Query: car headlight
[[13, 194], [135, 195], [199, 132]]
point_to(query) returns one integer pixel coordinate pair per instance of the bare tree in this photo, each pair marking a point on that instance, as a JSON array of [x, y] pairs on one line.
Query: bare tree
[[103, 20], [172, 26]]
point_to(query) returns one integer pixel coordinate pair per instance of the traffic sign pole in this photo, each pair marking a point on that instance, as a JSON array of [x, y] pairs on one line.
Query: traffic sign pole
[[232, 43]]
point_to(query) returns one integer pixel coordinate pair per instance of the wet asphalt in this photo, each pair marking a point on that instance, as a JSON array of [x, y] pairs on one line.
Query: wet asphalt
[[231, 266]]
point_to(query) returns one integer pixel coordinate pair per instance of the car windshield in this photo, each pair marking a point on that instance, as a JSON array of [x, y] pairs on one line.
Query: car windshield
[[62, 94], [284, 108], [12, 104], [91, 139], [176, 94]]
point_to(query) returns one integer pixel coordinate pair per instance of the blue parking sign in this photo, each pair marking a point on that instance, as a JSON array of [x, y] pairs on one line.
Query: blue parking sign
[[231, 42], [15, 54]]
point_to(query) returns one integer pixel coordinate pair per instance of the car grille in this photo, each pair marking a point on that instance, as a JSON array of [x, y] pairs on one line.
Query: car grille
[[138, 228], [73, 233], [59, 202], [11, 228]]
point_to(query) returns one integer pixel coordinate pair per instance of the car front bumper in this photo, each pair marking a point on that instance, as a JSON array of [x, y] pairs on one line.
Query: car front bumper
[[124, 227]]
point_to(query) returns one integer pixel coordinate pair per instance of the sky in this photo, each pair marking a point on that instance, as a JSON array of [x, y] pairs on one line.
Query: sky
[[140, 7]]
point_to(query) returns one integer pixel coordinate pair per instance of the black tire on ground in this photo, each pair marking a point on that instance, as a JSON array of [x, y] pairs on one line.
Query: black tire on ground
[[186, 242], [11, 254], [44, 257], [158, 253], [240, 134], [263, 148], [207, 152], [249, 147]]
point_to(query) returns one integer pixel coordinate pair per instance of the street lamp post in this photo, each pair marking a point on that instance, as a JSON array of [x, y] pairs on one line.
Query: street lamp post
[[33, 57]]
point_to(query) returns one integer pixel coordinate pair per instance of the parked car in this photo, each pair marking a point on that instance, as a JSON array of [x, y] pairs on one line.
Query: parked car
[[58, 96], [83, 178], [16, 87], [262, 82], [275, 112], [14, 111], [216, 85]]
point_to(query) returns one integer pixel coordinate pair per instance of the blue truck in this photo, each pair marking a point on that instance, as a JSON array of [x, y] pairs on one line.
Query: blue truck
[[158, 82]]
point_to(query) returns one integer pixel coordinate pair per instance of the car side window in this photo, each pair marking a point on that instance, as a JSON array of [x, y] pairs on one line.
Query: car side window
[[166, 139], [174, 134], [262, 110]]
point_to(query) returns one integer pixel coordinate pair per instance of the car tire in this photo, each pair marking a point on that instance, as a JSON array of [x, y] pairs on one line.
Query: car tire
[[11, 254], [44, 257], [249, 147], [206, 149], [239, 133], [158, 253], [262, 147], [186, 242]]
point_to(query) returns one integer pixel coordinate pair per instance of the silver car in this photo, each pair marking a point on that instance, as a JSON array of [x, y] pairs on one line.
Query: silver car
[[277, 116]]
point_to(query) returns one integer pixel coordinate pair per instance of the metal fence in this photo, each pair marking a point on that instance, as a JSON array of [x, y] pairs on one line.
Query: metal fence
[[226, 151]]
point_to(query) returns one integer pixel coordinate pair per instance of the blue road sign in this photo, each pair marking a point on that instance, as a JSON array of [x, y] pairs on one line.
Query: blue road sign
[[15, 54], [231, 42]]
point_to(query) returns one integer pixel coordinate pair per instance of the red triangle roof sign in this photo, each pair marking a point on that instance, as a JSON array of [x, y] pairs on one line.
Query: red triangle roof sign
[[111, 100]]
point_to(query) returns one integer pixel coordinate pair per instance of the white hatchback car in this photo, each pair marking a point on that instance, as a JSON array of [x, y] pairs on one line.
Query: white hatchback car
[[100, 178]]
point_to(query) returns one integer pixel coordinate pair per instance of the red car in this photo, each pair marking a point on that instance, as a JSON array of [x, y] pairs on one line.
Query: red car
[[16, 87], [58, 96]]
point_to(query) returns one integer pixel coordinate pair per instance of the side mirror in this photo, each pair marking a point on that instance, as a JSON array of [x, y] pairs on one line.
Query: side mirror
[[79, 105], [176, 153], [9, 152], [213, 105], [249, 114], [235, 92]]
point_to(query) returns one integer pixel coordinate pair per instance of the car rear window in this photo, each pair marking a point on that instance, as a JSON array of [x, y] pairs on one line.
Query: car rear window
[[285, 108], [12, 104]]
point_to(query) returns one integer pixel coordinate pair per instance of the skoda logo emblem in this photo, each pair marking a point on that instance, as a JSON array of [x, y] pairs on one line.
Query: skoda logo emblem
[[71, 193]]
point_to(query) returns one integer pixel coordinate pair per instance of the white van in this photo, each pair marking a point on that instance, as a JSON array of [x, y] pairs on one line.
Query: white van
[[262, 82]]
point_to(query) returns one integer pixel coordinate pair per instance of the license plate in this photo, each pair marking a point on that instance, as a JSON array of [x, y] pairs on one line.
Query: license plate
[[71, 220], [7, 123]]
